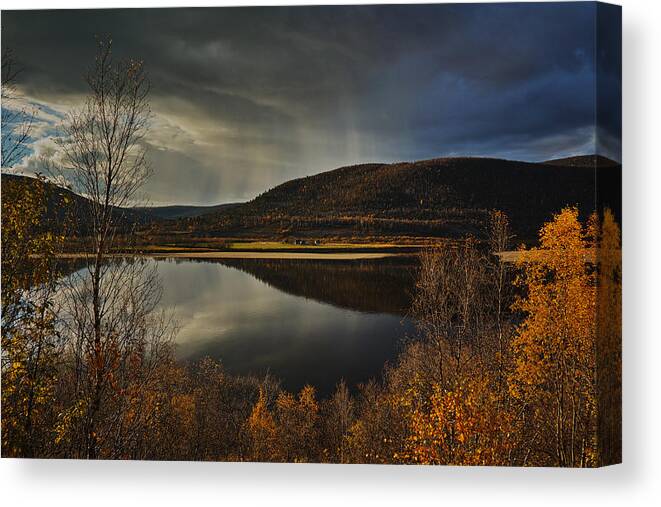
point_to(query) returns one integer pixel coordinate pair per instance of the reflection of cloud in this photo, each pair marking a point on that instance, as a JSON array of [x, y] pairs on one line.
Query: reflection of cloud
[[253, 328]]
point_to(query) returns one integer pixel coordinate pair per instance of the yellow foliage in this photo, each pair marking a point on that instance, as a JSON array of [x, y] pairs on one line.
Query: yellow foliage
[[466, 425], [29, 340], [554, 347]]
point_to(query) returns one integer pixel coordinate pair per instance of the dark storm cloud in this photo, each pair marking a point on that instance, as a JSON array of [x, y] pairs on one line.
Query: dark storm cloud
[[245, 98], [609, 81]]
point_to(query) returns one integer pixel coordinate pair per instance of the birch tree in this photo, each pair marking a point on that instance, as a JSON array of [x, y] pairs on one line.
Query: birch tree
[[116, 336]]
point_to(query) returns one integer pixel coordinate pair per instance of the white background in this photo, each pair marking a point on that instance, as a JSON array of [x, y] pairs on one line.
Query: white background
[[636, 482]]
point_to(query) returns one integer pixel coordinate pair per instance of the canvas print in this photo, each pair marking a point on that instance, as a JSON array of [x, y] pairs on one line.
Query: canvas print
[[325, 234]]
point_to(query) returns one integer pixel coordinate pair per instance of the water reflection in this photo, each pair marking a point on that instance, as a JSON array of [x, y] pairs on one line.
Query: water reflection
[[304, 321]]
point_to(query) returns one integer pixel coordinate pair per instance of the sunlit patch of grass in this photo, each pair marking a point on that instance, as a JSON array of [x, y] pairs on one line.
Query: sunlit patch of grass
[[276, 245]]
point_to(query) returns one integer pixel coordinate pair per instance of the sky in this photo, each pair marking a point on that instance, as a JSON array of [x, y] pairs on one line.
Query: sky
[[246, 98]]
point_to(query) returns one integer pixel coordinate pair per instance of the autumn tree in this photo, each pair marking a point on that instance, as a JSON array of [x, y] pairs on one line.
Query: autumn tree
[[448, 306], [115, 335], [609, 340], [500, 238], [337, 415], [465, 425], [261, 428], [297, 421], [553, 375], [287, 432], [30, 342], [379, 430], [455, 407]]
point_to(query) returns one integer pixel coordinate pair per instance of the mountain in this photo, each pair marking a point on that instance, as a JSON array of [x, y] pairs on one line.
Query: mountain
[[583, 161], [183, 211], [66, 210], [445, 197]]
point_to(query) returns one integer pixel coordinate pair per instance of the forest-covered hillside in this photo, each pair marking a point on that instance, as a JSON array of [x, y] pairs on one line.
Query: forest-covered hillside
[[439, 198], [446, 197]]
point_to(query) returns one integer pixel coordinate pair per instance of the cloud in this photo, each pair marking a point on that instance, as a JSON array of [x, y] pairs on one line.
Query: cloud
[[246, 98]]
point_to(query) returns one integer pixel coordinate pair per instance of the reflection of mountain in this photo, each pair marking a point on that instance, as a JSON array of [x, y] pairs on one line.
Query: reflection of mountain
[[379, 285]]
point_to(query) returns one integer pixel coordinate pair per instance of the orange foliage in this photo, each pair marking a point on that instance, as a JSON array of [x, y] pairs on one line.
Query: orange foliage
[[290, 433], [465, 425], [554, 348]]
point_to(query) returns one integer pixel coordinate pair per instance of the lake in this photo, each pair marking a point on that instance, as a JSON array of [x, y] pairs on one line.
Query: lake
[[304, 321]]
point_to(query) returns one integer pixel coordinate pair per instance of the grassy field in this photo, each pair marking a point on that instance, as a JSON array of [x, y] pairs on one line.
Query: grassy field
[[513, 256], [232, 245], [278, 245], [259, 249]]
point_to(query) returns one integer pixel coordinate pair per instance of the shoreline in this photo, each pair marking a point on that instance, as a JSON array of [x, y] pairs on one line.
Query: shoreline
[[509, 256], [247, 255]]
